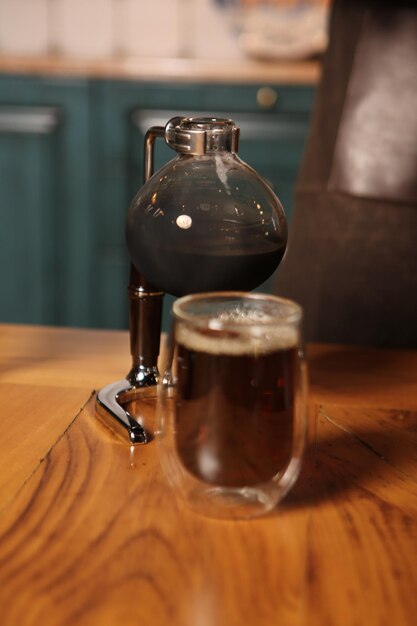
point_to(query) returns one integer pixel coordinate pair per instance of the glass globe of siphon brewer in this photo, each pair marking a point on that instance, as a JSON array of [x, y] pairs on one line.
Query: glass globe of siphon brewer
[[205, 221]]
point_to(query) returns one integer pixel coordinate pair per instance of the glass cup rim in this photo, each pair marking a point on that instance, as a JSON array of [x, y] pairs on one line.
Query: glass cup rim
[[291, 318]]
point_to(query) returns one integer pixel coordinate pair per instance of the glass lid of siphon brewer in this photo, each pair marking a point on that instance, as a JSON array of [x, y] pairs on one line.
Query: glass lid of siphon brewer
[[205, 221]]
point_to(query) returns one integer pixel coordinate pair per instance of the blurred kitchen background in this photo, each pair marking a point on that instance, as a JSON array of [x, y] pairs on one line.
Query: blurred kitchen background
[[80, 83]]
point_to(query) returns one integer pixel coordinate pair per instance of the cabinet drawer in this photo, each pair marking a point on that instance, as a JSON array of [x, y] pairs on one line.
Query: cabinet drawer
[[256, 98]]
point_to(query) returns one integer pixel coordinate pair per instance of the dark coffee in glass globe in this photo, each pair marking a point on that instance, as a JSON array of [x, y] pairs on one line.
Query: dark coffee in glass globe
[[206, 221]]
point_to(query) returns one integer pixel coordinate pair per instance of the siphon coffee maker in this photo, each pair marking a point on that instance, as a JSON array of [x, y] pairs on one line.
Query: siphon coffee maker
[[205, 221]]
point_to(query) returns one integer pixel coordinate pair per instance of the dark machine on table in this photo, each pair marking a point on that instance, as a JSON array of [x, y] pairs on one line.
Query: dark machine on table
[[205, 221]]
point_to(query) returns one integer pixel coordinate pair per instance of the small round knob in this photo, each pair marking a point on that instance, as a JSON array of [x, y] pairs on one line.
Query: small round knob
[[266, 97]]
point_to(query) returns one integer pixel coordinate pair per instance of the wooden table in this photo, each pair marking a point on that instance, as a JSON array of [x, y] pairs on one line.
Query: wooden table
[[90, 533]]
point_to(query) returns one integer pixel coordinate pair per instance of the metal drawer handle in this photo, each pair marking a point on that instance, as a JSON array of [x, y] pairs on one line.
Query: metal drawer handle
[[36, 120]]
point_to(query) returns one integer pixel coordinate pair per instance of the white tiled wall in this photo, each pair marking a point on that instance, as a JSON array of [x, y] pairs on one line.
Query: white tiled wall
[[102, 28], [82, 27], [147, 27], [211, 34], [23, 26]]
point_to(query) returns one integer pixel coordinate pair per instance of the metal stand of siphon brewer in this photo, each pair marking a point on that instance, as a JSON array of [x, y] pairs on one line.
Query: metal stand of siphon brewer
[[145, 312]]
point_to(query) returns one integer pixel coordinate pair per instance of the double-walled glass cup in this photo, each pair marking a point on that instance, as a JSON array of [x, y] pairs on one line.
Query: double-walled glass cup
[[232, 402]]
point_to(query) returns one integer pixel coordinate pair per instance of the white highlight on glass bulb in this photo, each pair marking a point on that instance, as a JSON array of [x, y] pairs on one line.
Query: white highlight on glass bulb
[[184, 221]]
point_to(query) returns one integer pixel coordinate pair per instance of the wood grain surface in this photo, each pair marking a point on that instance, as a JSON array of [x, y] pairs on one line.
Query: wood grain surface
[[32, 419], [363, 525], [91, 534]]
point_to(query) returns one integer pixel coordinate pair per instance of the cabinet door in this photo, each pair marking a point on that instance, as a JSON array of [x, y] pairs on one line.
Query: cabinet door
[[271, 142], [118, 174], [44, 202]]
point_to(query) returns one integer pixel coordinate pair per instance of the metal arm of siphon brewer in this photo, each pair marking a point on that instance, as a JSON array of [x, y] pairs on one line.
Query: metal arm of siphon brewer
[[145, 312]]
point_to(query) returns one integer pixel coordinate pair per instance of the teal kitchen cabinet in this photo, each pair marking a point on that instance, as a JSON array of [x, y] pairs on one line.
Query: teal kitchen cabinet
[[71, 160], [45, 234], [271, 141]]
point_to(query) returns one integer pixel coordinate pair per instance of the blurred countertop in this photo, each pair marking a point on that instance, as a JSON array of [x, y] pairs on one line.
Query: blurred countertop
[[189, 70]]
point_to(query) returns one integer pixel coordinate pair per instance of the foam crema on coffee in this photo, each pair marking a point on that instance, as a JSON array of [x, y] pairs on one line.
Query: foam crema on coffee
[[235, 402], [236, 342]]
